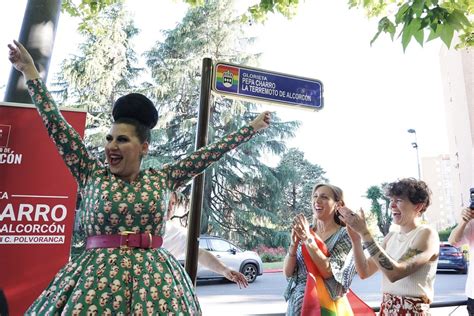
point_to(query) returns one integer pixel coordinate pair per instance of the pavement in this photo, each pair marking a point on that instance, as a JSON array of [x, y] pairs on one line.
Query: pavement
[[438, 311]]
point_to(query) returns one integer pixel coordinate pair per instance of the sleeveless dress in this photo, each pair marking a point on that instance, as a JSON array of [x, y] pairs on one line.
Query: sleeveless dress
[[114, 281]]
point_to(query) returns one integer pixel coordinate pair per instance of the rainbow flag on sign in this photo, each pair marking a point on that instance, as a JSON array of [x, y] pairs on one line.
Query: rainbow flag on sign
[[227, 78]]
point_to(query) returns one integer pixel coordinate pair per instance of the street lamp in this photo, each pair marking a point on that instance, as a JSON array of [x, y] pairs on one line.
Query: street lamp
[[415, 145]]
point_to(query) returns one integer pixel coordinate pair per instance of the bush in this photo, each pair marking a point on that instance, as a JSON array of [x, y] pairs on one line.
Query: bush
[[269, 254], [444, 234]]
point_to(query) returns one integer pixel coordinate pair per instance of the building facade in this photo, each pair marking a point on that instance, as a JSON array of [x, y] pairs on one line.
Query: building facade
[[438, 173], [457, 72]]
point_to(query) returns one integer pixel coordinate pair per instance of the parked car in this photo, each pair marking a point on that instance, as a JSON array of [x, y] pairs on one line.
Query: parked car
[[452, 258], [247, 262]]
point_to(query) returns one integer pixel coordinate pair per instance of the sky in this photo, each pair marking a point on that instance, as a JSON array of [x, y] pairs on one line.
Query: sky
[[372, 94]]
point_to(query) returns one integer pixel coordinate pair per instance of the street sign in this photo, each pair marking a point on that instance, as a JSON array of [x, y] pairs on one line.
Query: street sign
[[264, 85]]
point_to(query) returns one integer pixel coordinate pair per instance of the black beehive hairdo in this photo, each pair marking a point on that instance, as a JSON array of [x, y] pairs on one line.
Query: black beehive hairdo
[[136, 106]]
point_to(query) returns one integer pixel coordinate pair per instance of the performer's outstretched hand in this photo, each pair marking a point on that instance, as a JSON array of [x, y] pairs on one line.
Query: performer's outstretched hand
[[236, 277], [22, 61], [262, 121]]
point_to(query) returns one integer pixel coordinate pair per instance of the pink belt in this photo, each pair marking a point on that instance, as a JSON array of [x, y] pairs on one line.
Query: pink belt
[[125, 239]]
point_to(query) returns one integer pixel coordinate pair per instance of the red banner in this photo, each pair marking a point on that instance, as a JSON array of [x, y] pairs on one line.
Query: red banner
[[37, 204]]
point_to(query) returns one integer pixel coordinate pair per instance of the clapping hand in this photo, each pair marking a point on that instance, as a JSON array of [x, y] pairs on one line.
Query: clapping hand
[[294, 237], [262, 121], [354, 221], [301, 227]]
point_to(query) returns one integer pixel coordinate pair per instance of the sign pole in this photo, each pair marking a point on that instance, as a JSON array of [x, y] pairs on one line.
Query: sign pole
[[194, 225]]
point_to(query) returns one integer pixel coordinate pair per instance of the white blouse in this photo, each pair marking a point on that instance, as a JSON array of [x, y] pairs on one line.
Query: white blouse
[[417, 284]]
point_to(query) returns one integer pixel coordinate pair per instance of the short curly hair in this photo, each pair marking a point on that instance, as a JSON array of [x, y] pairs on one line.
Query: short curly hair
[[416, 191]]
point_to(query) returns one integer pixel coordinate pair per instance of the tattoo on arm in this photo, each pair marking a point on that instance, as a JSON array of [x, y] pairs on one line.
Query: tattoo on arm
[[385, 262], [373, 250], [410, 253], [371, 247]]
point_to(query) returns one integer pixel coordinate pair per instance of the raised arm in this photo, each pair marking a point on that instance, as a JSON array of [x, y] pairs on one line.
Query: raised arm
[[365, 267], [184, 170], [21, 60], [67, 140], [456, 237]]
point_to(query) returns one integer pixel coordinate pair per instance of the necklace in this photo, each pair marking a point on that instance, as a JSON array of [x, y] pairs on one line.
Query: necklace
[[326, 233]]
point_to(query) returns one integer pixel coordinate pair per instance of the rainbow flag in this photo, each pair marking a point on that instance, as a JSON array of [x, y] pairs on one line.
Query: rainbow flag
[[318, 302]]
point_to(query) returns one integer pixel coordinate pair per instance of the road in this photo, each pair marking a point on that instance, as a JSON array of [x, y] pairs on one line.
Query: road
[[264, 296]]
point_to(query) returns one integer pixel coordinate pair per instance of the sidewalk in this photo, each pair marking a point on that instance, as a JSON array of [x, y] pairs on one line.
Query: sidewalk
[[439, 311]]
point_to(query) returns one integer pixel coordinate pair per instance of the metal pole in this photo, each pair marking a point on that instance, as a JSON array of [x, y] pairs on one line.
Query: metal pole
[[194, 226], [417, 156], [37, 34], [415, 145], [418, 160]]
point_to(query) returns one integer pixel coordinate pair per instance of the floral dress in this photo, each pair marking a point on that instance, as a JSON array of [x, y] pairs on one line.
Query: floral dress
[[114, 281]]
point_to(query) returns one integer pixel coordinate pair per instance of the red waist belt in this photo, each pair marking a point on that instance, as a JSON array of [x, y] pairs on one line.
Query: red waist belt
[[125, 239]]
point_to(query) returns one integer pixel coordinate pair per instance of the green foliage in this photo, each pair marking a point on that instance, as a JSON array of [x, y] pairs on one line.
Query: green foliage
[[236, 204], [380, 207], [269, 254], [258, 12], [444, 234], [89, 11], [415, 18], [245, 200], [297, 178], [102, 69]]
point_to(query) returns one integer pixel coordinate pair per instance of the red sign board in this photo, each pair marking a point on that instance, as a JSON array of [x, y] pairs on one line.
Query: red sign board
[[37, 204]]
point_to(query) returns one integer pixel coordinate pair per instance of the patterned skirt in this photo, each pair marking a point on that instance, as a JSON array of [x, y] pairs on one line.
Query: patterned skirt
[[394, 305], [106, 282]]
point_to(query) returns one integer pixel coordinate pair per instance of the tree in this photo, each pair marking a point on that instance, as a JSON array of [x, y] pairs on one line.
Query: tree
[[89, 11], [102, 70], [297, 178], [233, 206], [91, 80], [412, 18], [243, 200], [381, 211], [286, 190]]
